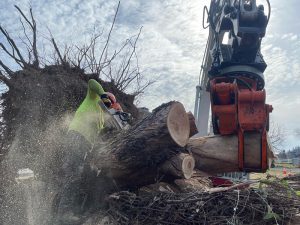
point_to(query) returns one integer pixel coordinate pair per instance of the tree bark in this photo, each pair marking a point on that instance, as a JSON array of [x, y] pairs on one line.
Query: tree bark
[[179, 166], [133, 157], [193, 127]]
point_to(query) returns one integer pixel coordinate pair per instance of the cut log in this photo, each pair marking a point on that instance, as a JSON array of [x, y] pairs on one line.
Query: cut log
[[193, 127], [133, 157], [179, 166], [191, 185], [219, 154], [215, 154]]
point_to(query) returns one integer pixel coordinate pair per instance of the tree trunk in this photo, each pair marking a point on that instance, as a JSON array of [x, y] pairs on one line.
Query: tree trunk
[[193, 127], [181, 165], [219, 154], [132, 158]]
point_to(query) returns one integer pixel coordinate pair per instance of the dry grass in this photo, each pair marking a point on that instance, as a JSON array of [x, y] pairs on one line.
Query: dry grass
[[285, 165], [278, 172]]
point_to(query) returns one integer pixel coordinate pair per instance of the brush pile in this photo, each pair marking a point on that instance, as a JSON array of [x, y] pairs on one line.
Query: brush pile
[[272, 202]]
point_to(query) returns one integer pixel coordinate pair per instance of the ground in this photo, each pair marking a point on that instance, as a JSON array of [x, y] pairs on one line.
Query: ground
[[277, 171]]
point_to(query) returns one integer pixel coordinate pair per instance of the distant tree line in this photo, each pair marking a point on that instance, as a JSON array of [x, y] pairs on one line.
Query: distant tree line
[[290, 154]]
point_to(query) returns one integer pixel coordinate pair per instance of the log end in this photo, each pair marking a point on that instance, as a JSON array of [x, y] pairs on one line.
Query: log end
[[188, 165], [178, 124]]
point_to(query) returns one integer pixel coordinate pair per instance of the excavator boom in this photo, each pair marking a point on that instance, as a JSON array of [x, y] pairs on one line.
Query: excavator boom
[[233, 75]]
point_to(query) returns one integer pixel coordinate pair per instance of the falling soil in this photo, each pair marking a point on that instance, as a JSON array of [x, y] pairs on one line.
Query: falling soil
[[37, 109]]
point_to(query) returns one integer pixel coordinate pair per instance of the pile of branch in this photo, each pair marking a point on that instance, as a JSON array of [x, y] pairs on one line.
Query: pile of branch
[[272, 203], [165, 170]]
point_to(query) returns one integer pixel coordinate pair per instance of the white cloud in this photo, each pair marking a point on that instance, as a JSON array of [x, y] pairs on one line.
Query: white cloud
[[294, 37]]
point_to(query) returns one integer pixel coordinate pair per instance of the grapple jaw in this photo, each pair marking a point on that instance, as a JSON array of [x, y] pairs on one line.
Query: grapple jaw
[[239, 108]]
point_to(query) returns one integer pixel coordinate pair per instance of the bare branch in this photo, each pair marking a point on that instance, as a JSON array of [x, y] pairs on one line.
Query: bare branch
[[108, 62], [277, 135], [67, 52], [23, 15], [15, 48], [7, 70], [57, 51], [108, 38], [87, 53], [25, 33], [124, 72], [3, 77], [32, 24], [12, 55], [141, 89]]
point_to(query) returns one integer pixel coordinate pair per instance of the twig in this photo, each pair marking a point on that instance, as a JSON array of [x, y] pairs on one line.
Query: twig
[[6, 68], [57, 51], [32, 24], [4, 78], [108, 38], [236, 186]]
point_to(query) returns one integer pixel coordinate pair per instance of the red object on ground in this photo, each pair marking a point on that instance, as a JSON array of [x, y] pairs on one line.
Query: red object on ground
[[284, 171], [220, 182], [223, 182]]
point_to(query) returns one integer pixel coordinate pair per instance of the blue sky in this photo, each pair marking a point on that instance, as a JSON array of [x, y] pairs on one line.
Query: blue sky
[[172, 43]]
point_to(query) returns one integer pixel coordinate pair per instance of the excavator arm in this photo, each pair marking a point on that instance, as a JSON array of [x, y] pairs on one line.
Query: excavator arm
[[232, 72]]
